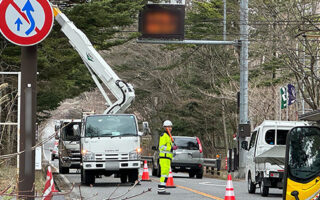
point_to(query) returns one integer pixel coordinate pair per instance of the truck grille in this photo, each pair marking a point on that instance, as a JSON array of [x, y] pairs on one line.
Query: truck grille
[[75, 155], [112, 156]]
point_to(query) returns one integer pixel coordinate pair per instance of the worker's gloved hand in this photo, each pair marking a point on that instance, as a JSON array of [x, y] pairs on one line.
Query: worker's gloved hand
[[175, 147]]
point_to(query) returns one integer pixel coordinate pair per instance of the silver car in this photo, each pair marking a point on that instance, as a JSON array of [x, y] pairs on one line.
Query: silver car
[[187, 158]]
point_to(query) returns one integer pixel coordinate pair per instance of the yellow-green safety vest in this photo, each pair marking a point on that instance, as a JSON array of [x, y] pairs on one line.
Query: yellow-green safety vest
[[165, 146]]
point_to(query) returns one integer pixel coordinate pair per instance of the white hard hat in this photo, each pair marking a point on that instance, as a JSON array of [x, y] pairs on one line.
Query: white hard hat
[[167, 123]]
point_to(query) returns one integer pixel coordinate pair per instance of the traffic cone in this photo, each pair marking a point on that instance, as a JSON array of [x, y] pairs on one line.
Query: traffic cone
[[170, 183], [145, 174], [229, 189], [49, 186]]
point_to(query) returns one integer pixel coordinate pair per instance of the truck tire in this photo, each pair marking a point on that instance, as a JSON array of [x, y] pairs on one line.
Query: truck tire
[[87, 177], [63, 170], [133, 176], [81, 174], [199, 174], [264, 189], [251, 185], [123, 177]]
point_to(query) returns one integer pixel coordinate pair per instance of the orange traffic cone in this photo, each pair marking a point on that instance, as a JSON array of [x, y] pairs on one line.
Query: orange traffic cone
[[170, 183], [229, 189], [145, 174], [49, 186]]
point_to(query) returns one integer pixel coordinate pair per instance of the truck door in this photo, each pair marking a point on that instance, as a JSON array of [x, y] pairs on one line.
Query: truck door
[[251, 154]]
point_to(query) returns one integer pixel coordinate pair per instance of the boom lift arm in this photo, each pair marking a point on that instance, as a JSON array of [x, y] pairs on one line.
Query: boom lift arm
[[97, 66]]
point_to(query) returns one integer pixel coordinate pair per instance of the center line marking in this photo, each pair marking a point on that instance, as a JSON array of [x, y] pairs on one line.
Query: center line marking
[[198, 192], [211, 184]]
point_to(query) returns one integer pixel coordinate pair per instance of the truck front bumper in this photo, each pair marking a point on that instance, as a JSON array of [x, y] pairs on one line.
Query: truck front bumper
[[111, 165]]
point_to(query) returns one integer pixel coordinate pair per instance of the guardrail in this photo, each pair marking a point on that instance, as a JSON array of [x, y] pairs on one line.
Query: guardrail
[[211, 165], [149, 159]]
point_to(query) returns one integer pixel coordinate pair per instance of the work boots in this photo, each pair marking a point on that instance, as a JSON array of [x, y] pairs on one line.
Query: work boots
[[162, 190]]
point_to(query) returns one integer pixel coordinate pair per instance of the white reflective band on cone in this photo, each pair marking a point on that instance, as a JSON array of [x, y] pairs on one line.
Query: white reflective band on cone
[[229, 193]]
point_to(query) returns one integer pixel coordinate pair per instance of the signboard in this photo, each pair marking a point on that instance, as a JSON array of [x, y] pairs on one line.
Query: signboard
[[162, 21], [25, 22], [38, 160], [244, 130]]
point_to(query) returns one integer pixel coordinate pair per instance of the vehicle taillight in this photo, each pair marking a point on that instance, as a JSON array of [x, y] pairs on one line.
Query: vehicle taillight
[[200, 146]]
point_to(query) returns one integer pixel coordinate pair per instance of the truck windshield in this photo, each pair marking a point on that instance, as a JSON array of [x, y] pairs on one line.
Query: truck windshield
[[67, 132], [111, 126], [304, 154]]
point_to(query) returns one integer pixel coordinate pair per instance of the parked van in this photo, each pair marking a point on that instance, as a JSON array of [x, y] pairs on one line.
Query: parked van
[[266, 155]]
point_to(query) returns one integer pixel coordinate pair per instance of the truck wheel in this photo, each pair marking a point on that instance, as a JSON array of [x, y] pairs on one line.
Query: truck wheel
[[63, 170], [251, 186], [191, 174], [82, 178], [264, 189], [87, 177], [133, 176], [199, 173], [123, 177]]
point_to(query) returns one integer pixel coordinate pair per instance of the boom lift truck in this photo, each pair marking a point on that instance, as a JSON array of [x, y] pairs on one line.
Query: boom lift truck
[[110, 143]]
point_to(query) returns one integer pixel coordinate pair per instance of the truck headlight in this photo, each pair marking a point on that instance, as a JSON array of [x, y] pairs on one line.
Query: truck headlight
[[135, 154], [88, 156]]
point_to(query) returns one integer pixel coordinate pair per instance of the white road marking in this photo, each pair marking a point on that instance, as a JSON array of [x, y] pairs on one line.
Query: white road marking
[[211, 184]]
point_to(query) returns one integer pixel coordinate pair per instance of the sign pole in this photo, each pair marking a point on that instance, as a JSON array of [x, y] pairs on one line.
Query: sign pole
[[28, 122]]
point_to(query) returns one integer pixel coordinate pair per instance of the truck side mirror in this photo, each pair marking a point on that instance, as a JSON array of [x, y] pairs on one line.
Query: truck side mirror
[[154, 148], [56, 127], [244, 145], [145, 128]]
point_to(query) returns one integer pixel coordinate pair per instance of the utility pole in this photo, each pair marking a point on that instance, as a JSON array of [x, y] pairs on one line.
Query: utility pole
[[243, 82], [224, 20], [28, 122]]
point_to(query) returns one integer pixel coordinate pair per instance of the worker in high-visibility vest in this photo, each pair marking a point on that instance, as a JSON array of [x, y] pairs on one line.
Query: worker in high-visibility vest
[[165, 155]]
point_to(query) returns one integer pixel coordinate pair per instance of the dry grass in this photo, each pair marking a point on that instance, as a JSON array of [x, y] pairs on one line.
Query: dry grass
[[8, 177]]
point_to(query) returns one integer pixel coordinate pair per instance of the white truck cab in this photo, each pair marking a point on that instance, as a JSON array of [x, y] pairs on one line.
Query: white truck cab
[[110, 144], [266, 155]]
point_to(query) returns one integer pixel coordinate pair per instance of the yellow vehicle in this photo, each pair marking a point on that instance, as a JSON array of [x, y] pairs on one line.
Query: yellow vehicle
[[302, 173]]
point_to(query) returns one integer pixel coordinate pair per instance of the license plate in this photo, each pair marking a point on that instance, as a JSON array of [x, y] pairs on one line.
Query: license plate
[[274, 175], [177, 167], [188, 167]]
